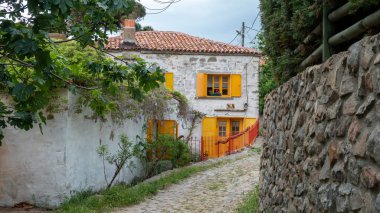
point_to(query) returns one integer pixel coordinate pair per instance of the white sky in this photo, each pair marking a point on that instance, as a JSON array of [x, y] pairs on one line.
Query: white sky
[[214, 19]]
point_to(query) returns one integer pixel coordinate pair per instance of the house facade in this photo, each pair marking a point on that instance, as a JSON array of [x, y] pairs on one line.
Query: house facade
[[219, 80]]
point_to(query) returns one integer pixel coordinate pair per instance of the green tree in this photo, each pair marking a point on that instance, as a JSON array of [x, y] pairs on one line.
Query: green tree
[[32, 64]]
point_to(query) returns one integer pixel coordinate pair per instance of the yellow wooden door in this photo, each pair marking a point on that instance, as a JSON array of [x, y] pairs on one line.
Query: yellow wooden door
[[209, 125], [223, 134], [236, 128]]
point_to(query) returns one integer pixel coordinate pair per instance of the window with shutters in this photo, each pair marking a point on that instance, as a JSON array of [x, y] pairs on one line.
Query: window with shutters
[[218, 85]]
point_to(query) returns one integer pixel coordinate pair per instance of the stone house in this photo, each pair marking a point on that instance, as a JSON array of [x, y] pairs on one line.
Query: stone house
[[219, 80]]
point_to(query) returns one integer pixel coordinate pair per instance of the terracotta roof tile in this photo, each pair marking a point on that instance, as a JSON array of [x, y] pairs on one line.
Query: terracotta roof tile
[[165, 41]]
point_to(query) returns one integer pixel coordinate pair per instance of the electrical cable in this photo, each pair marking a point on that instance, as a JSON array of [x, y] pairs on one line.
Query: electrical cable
[[234, 38], [160, 10]]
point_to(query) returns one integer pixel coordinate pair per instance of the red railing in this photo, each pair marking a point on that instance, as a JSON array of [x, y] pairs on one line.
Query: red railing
[[215, 146]]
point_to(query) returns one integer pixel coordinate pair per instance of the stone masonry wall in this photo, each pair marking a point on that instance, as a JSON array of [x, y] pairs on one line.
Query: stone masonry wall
[[322, 131]]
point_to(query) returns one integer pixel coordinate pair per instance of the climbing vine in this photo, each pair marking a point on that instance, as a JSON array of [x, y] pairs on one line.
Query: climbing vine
[[285, 24]]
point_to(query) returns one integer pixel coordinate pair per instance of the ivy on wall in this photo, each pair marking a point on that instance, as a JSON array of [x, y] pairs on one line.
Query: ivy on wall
[[285, 24]]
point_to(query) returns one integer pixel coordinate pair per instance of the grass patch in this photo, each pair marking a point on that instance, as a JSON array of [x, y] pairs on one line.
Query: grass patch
[[256, 150], [123, 195], [215, 186], [251, 203]]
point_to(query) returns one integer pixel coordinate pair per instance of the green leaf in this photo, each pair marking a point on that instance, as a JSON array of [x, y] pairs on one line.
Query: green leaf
[[22, 92], [42, 117], [62, 6]]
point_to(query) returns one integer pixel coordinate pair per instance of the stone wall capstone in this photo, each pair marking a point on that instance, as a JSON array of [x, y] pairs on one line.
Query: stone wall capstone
[[322, 136]]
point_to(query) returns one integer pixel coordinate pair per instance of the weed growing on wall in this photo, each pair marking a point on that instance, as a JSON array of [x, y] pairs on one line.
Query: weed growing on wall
[[119, 159]]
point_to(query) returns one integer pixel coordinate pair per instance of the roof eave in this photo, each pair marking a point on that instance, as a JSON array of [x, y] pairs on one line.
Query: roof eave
[[253, 54]]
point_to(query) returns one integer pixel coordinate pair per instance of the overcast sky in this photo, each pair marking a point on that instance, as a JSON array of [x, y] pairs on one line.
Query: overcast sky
[[214, 19]]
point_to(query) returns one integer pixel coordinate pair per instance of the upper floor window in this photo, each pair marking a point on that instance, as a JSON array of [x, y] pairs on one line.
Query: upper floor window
[[219, 85]]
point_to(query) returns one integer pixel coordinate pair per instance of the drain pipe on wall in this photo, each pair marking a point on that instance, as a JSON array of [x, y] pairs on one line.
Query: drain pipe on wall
[[246, 88]]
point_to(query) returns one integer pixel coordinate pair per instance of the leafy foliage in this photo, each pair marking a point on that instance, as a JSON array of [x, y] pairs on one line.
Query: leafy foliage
[[32, 64], [267, 84], [286, 23], [166, 148]]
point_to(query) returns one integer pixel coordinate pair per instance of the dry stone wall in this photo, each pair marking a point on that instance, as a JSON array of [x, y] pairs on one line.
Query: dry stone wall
[[322, 131]]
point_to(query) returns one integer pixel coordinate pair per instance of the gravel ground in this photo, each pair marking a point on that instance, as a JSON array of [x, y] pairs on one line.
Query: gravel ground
[[216, 190]]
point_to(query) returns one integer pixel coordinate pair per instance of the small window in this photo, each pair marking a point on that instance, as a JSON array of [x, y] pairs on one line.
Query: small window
[[235, 127], [218, 85], [222, 128]]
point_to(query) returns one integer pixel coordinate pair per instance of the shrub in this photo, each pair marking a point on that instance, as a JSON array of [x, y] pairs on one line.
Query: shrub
[[155, 155]]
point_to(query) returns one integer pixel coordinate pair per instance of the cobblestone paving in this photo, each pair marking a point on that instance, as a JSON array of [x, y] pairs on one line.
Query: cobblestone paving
[[216, 190]]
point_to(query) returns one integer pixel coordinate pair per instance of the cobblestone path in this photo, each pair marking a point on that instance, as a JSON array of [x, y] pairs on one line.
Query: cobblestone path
[[216, 190]]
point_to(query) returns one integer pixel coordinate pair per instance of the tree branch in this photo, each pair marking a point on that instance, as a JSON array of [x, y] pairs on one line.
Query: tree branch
[[71, 83], [15, 11], [113, 56], [22, 63]]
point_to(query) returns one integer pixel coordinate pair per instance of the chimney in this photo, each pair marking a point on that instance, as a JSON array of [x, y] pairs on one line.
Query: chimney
[[129, 31]]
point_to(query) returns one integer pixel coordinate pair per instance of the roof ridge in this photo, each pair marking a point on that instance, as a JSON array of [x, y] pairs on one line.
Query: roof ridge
[[172, 41], [198, 37]]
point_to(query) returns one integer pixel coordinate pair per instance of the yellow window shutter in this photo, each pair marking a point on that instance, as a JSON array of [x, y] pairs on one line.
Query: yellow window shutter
[[236, 85], [167, 127], [149, 130], [201, 84], [209, 126], [169, 80]]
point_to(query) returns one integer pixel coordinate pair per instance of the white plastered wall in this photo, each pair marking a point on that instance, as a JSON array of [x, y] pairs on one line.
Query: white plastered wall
[[46, 169]]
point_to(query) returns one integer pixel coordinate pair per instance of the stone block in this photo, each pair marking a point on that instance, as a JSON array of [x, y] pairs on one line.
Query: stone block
[[333, 152], [353, 57], [325, 171], [348, 85], [319, 113], [368, 177], [345, 189], [377, 109], [329, 96], [299, 189], [375, 70], [356, 200], [370, 100], [377, 201], [351, 105], [353, 171], [334, 110], [368, 81], [354, 129], [377, 59], [366, 57], [373, 145], [320, 133], [327, 196], [342, 204], [359, 148]]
